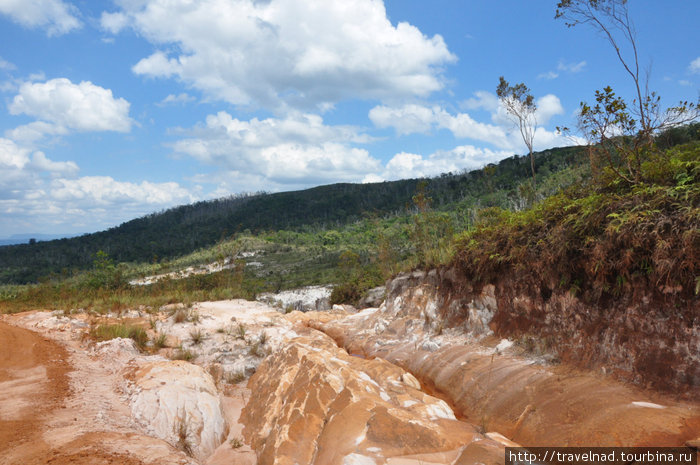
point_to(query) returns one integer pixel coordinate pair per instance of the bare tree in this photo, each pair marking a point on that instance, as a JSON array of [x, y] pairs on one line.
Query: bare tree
[[611, 117], [520, 105]]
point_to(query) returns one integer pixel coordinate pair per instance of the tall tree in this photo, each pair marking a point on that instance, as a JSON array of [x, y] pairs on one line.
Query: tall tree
[[611, 117], [520, 105]]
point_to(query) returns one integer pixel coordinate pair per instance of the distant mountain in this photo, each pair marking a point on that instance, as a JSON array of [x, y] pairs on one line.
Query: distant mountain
[[25, 238], [183, 229]]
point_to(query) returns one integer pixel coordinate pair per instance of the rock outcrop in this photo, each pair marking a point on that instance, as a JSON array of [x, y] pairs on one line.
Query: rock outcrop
[[312, 403], [178, 402], [649, 341], [499, 386]]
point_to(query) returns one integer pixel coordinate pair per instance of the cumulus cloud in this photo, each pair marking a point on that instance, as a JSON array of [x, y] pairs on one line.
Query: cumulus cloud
[[298, 150], [414, 118], [22, 172], [33, 186], [408, 119], [113, 22], [482, 100], [85, 204], [56, 16], [104, 191], [547, 107], [694, 66], [56, 168], [284, 53], [79, 107], [33, 132], [11, 155], [410, 165]]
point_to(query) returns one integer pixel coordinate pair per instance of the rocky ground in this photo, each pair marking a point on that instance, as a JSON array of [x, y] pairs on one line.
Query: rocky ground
[[240, 382]]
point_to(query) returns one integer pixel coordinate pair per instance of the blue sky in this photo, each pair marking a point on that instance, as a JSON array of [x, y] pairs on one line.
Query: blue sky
[[115, 109]]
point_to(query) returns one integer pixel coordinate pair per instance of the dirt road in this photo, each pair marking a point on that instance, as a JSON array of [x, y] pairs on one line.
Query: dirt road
[[34, 387]]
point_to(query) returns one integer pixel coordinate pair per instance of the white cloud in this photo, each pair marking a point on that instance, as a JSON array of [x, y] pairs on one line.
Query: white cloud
[[84, 204], [35, 131], [11, 155], [173, 99], [56, 168], [282, 53], [104, 191], [548, 75], [33, 186], [694, 66], [297, 150], [6, 65], [547, 107], [482, 100], [113, 22], [572, 68], [409, 119], [414, 118], [56, 16], [80, 107], [409, 165], [372, 178]]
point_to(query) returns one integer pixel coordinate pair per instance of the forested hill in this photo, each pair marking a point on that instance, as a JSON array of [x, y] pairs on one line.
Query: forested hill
[[184, 229]]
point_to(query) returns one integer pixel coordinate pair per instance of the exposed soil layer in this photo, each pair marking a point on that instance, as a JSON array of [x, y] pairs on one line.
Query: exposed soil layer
[[504, 388], [651, 339]]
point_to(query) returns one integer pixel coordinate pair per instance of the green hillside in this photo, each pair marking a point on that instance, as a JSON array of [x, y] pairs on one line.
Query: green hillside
[[182, 230]]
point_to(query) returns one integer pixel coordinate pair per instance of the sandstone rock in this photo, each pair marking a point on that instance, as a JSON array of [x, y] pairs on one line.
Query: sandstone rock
[[306, 299], [178, 402], [374, 297], [519, 397], [312, 403]]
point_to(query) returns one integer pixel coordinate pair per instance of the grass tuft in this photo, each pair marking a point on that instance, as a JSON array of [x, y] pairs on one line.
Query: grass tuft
[[107, 332]]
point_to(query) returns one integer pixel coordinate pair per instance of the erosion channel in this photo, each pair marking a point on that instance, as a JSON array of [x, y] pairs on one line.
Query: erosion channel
[[240, 382]]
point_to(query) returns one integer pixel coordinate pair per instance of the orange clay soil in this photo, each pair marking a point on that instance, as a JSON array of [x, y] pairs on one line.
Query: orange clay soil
[[34, 384]]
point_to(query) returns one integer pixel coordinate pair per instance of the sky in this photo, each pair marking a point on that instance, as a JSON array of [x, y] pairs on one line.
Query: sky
[[111, 110]]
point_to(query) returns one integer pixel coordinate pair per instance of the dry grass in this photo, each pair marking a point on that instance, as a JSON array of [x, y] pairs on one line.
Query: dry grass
[[113, 331], [197, 336], [183, 437], [183, 354]]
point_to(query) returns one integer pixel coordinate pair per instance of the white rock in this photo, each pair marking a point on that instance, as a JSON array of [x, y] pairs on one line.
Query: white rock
[[357, 459], [648, 405], [170, 393], [503, 345]]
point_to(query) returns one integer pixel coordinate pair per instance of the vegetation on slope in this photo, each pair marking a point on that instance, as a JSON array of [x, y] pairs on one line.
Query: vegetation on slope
[[602, 239], [183, 230]]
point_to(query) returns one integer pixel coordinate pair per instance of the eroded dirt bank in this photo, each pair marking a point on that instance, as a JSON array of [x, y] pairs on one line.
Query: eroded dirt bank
[[503, 387], [420, 391], [650, 337]]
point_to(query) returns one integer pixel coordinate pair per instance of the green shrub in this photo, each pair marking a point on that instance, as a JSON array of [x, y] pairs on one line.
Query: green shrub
[[599, 239]]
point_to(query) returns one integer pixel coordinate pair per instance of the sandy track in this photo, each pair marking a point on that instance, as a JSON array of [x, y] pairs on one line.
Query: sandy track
[[34, 389], [33, 383]]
